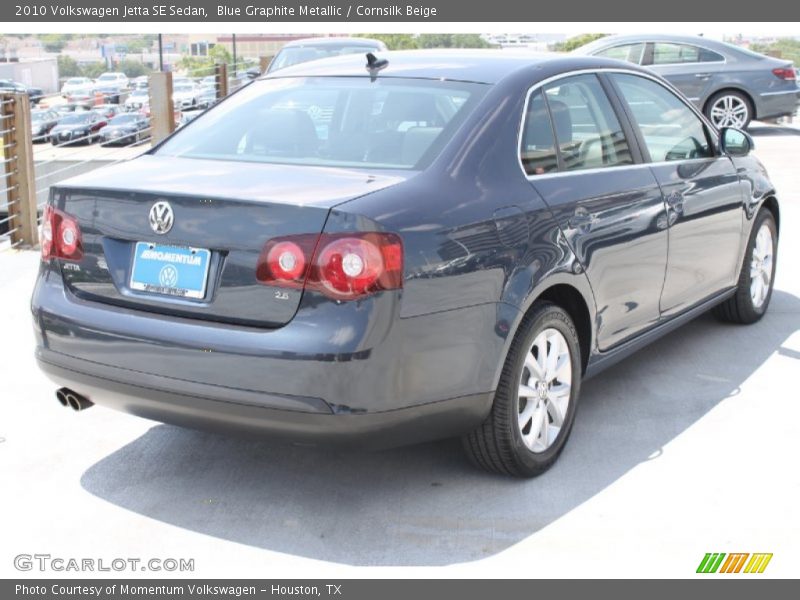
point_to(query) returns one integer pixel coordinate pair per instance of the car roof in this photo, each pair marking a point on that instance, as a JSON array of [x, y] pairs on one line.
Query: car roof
[[479, 66], [697, 40], [328, 41]]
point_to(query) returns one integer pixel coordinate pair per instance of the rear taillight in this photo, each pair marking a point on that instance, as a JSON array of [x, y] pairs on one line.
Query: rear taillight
[[785, 73], [60, 236], [343, 266]]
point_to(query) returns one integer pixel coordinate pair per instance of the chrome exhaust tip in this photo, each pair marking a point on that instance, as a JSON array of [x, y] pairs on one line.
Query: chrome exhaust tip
[[72, 399]]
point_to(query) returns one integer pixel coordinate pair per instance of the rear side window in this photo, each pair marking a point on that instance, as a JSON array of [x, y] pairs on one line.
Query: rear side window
[[665, 53], [670, 129], [331, 121], [538, 151], [588, 133], [628, 52]]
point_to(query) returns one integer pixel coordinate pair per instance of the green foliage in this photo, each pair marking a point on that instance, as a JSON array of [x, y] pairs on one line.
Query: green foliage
[[132, 68], [68, 67], [54, 42], [405, 41], [94, 70], [577, 41], [788, 48], [451, 40]]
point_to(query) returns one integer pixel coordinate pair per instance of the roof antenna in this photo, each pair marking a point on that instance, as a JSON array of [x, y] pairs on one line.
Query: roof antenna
[[374, 64]]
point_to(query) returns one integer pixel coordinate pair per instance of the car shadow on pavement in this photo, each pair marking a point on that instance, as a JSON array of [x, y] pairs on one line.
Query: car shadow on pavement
[[425, 505]]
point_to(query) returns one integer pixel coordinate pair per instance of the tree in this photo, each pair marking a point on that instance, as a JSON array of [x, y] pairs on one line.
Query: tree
[[577, 41], [54, 42], [132, 68], [787, 48], [68, 66], [395, 41]]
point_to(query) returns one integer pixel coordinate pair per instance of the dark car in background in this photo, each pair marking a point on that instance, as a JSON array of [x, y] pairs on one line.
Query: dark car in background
[[731, 85], [125, 128], [300, 51], [42, 122], [77, 128], [34, 93], [382, 252]]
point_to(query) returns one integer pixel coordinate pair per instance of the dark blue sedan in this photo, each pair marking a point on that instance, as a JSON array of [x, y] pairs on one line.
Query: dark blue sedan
[[395, 248]]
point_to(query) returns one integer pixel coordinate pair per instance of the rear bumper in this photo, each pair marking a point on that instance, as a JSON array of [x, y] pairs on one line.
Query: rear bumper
[[772, 105], [337, 372], [231, 411]]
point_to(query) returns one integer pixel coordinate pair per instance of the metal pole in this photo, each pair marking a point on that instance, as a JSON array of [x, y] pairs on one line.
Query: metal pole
[[234, 54], [160, 53]]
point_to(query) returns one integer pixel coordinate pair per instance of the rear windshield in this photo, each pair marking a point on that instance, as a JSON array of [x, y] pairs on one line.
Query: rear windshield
[[331, 121]]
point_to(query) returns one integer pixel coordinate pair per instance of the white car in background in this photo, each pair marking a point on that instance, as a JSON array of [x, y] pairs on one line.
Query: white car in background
[[116, 80], [137, 99], [77, 85], [185, 94]]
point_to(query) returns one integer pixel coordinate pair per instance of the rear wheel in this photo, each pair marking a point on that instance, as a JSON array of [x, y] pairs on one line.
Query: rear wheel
[[534, 406], [729, 109], [754, 289]]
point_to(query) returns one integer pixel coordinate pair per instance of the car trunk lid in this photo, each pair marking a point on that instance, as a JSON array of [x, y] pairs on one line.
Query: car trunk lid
[[221, 214]]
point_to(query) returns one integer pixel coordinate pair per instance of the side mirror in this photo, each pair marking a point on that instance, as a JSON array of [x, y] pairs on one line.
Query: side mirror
[[735, 142]]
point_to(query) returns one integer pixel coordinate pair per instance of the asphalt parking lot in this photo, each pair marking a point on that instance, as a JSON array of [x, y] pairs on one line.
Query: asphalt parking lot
[[689, 447]]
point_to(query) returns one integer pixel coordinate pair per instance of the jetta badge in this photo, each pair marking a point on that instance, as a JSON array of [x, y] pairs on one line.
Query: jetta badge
[[161, 217]]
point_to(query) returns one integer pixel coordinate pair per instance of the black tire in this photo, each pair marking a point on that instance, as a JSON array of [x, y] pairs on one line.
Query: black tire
[[734, 94], [740, 307], [497, 445]]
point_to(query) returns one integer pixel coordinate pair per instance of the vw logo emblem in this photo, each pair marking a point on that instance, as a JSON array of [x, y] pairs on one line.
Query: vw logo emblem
[[542, 389], [161, 217], [168, 276]]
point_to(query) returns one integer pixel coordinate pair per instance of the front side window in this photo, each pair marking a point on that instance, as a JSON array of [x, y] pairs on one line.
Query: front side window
[[632, 53], [331, 121], [670, 129]]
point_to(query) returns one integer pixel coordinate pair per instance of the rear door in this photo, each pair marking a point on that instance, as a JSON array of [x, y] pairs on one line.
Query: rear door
[[582, 160], [701, 188], [689, 68]]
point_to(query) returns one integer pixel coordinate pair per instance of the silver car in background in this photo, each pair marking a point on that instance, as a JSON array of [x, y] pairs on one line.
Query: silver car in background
[[300, 51], [731, 85]]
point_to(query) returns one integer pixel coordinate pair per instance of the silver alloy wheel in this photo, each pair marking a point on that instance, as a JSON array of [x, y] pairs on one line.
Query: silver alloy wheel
[[730, 111], [761, 266], [544, 390]]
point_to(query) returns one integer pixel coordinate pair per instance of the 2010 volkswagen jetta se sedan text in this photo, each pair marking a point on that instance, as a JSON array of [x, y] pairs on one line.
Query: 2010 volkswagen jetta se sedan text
[[384, 250]]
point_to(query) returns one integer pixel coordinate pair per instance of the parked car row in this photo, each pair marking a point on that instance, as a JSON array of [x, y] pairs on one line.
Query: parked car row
[[75, 123]]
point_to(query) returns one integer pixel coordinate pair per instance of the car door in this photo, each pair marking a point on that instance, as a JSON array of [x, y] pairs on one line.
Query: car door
[[581, 158], [689, 68], [701, 188]]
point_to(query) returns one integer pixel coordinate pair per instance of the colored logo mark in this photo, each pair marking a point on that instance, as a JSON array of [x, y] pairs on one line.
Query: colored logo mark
[[736, 562]]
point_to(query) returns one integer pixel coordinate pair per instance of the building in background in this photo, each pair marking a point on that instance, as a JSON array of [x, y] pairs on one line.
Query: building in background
[[40, 73]]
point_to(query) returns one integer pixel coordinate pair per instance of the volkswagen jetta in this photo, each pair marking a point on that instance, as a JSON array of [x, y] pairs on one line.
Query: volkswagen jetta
[[391, 249]]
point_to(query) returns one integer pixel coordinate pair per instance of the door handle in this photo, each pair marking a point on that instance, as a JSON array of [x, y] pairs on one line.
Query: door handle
[[582, 220], [675, 201], [702, 75]]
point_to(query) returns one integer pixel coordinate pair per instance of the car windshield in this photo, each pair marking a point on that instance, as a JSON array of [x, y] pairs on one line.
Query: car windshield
[[124, 120], [76, 81], [138, 93], [76, 118], [184, 87], [107, 77], [38, 116], [300, 54], [332, 121]]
